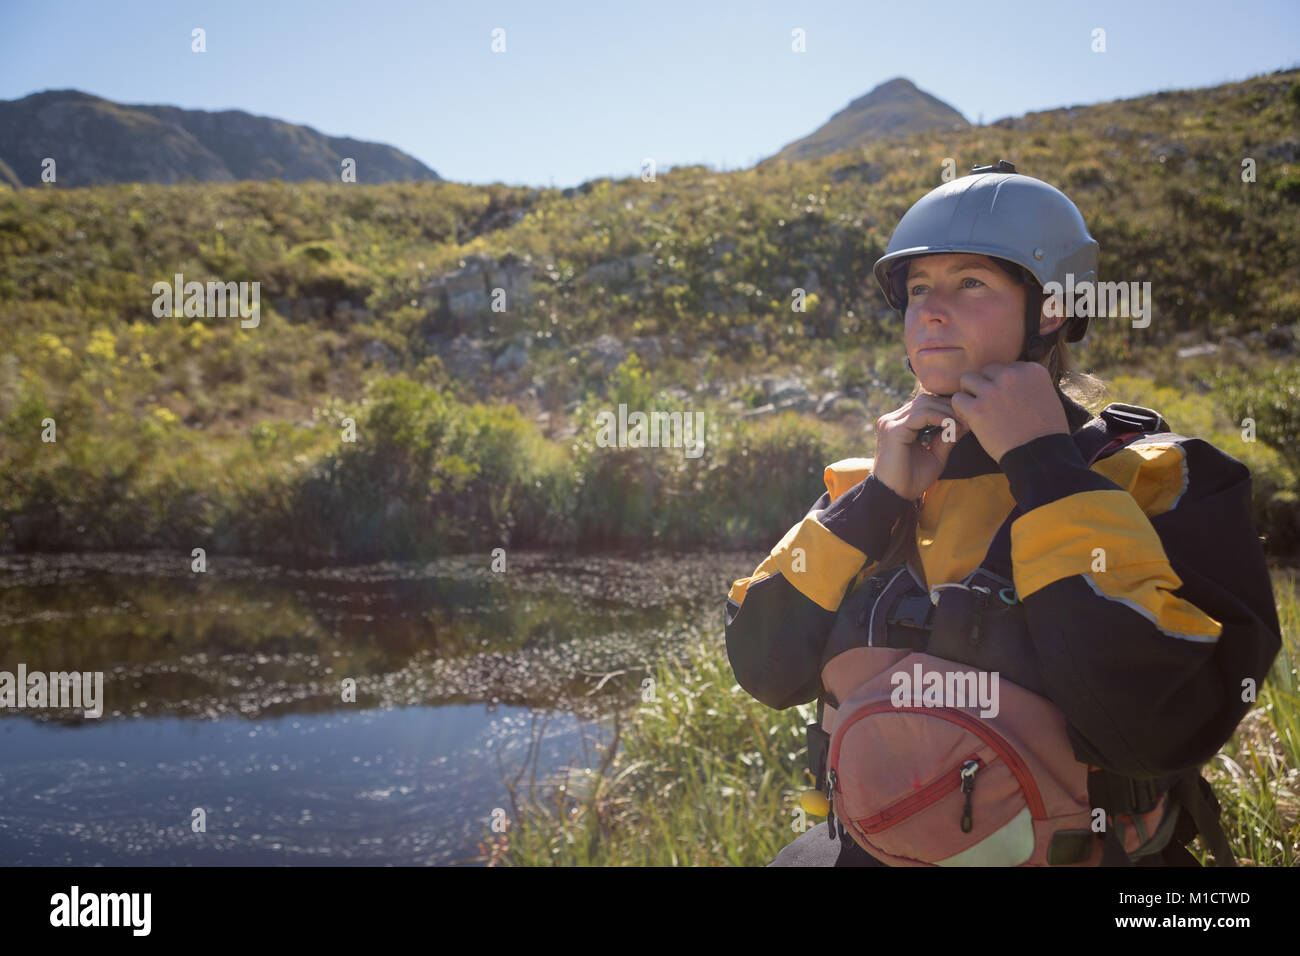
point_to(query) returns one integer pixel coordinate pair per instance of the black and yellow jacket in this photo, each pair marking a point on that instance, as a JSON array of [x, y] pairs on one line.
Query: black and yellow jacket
[[1150, 661]]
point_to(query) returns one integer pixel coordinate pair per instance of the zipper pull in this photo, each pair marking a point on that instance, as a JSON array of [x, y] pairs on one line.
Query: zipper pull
[[968, 787], [831, 780]]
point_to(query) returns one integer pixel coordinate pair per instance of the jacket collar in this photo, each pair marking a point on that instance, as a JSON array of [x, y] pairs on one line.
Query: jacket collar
[[969, 458]]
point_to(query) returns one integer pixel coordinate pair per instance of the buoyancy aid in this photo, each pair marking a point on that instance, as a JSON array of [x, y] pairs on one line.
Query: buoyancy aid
[[1120, 628]]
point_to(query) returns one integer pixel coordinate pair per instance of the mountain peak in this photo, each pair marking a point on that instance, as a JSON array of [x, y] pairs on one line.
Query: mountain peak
[[893, 108], [899, 84]]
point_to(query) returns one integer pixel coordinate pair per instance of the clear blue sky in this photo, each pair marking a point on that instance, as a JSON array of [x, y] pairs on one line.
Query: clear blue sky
[[589, 89]]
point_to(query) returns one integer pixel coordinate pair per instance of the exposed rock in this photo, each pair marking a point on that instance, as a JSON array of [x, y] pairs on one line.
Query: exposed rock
[[514, 275], [1287, 150], [618, 271], [786, 387], [827, 401], [606, 350], [1194, 351], [468, 291], [648, 350], [465, 357], [377, 351], [512, 359]]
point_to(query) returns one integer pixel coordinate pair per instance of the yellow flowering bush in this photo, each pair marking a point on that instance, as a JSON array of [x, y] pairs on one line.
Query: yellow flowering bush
[[102, 344]]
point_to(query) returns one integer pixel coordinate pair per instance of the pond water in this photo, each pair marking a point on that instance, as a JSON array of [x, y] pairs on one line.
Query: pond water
[[223, 692]]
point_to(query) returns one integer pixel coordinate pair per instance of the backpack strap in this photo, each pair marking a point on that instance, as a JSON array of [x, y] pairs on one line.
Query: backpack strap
[[1194, 793], [1194, 803], [1118, 794]]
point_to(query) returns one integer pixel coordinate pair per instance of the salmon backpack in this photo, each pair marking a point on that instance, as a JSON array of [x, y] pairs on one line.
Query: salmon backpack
[[917, 783]]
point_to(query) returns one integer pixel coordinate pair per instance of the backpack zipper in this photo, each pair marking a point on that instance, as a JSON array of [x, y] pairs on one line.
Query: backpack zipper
[[995, 740], [918, 800]]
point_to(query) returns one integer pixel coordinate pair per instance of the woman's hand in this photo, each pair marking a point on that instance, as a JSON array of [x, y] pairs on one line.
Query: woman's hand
[[905, 465], [1008, 405]]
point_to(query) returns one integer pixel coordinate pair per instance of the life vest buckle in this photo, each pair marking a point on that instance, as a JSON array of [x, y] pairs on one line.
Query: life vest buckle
[[1124, 417], [913, 611]]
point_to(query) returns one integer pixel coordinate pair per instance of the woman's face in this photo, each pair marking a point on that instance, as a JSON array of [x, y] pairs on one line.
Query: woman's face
[[965, 302]]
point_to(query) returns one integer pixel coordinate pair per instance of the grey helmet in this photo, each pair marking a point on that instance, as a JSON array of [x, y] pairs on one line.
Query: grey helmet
[[998, 212]]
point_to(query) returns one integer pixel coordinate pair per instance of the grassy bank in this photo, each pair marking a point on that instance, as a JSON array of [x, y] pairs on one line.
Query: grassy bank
[[704, 775], [409, 472]]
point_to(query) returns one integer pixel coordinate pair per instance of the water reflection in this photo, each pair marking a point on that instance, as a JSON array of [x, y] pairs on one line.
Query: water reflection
[[453, 664]]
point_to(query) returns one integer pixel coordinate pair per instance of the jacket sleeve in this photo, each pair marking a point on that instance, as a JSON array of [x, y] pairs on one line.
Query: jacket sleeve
[[779, 617], [1146, 593]]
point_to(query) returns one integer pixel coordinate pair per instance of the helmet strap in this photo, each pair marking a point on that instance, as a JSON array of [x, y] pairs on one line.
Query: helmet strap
[[1036, 344]]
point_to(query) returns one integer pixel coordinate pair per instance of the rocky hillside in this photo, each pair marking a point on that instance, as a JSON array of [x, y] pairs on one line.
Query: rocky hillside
[[473, 333], [94, 141], [896, 108]]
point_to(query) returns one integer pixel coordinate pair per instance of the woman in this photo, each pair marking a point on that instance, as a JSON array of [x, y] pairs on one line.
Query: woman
[[1143, 657]]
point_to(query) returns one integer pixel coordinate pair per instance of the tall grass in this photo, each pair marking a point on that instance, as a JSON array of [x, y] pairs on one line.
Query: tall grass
[[704, 775]]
